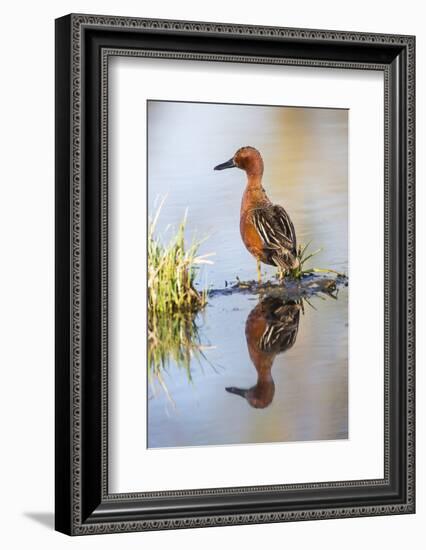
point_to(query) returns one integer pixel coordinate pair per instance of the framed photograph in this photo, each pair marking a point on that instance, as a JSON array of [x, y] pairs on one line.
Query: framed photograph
[[234, 274]]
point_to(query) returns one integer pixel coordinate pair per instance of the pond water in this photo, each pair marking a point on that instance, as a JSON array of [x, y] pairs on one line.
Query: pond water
[[236, 393]]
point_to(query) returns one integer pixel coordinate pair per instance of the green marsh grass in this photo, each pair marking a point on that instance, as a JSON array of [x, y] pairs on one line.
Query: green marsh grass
[[173, 301], [304, 254], [172, 270]]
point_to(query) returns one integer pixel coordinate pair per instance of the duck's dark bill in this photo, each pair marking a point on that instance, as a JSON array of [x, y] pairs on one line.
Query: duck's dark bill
[[228, 164], [237, 391]]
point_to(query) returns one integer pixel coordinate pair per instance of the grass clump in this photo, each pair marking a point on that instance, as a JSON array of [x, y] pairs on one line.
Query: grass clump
[[172, 270], [303, 255], [173, 301]]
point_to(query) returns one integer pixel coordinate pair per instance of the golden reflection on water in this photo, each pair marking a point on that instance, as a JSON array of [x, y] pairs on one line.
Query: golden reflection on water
[[305, 152]]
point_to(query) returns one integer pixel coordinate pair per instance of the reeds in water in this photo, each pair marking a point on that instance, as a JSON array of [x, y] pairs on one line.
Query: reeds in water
[[172, 270], [304, 254], [173, 300]]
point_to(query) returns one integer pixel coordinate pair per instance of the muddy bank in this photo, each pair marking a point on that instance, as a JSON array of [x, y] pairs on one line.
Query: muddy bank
[[291, 289]]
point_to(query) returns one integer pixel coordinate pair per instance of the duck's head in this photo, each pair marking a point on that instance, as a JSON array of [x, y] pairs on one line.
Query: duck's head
[[247, 158], [259, 396]]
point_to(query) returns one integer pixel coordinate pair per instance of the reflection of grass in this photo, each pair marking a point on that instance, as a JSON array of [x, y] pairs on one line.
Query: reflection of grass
[[304, 254], [171, 339], [174, 340]]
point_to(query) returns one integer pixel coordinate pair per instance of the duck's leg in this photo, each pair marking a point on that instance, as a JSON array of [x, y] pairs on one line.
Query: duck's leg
[[259, 273]]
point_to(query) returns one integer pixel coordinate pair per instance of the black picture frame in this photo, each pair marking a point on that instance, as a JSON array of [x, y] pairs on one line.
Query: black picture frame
[[83, 46]]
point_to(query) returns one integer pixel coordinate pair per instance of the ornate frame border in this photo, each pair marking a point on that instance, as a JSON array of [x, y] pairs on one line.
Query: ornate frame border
[[71, 517]]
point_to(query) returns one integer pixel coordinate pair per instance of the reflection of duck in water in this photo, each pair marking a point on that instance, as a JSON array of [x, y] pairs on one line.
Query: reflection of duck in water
[[271, 328]]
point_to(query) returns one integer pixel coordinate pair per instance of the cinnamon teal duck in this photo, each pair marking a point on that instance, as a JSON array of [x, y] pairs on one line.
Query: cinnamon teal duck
[[266, 229]]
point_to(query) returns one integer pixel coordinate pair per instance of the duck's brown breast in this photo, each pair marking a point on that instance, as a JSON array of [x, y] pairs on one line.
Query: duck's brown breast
[[250, 236], [253, 197]]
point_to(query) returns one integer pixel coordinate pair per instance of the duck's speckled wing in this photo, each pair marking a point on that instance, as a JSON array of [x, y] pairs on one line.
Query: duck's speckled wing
[[275, 228], [281, 331]]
